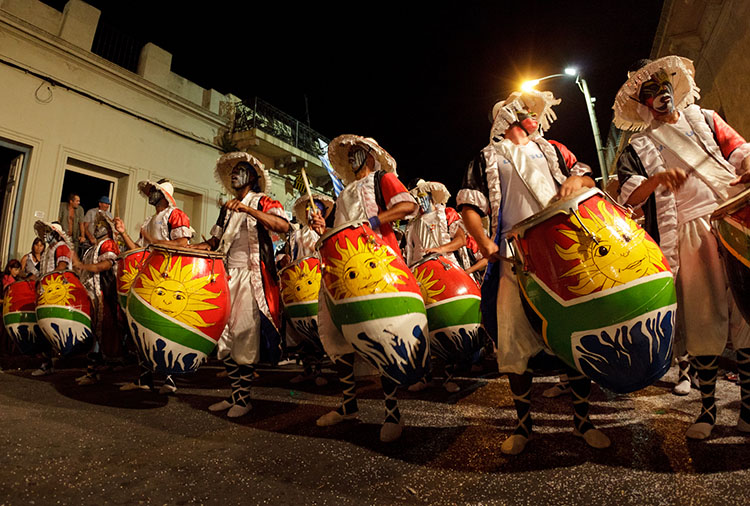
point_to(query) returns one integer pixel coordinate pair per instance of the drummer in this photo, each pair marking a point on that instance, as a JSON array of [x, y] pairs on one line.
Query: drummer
[[301, 244], [58, 255], [665, 171], [98, 269], [373, 192], [169, 226], [242, 232], [513, 178]]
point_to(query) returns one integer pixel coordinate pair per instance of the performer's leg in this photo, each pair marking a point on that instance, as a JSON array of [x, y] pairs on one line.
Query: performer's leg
[[348, 410], [145, 379], [707, 367], [233, 372], [580, 387], [450, 385], [392, 427], [241, 394], [520, 388], [169, 386], [743, 366]]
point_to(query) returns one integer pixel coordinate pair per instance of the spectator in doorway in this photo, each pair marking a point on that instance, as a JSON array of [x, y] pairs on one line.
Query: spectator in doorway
[[71, 219], [31, 262], [90, 216], [11, 273]]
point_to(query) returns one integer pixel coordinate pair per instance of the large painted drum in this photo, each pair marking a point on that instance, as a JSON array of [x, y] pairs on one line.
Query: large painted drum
[[451, 298], [375, 301], [63, 311], [19, 317], [731, 225], [599, 290], [300, 284], [129, 265], [177, 307]]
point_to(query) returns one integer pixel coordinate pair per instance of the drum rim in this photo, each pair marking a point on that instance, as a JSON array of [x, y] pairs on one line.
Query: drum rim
[[731, 205], [426, 258], [129, 252], [296, 262], [559, 207], [335, 230], [186, 251]]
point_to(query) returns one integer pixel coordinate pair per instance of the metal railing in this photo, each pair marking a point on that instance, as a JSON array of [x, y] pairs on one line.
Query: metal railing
[[256, 113], [117, 46]]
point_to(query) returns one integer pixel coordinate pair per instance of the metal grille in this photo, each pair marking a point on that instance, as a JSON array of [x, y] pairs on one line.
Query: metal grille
[[117, 46]]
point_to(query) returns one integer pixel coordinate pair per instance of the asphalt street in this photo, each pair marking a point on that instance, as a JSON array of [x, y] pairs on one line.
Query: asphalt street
[[67, 444]]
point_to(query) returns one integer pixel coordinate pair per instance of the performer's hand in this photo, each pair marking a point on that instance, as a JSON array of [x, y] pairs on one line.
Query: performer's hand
[[200, 246], [119, 225], [570, 185], [745, 169], [236, 205], [438, 250], [317, 223], [490, 250], [671, 179]]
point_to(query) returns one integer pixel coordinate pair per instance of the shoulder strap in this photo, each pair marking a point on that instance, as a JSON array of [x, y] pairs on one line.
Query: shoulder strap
[[561, 161], [379, 199]]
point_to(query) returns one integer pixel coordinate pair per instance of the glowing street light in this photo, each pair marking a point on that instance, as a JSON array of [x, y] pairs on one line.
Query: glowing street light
[[583, 86]]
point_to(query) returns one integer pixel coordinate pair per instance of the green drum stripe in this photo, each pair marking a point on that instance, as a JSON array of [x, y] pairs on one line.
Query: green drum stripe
[[385, 307], [588, 315], [162, 326], [454, 313], [20, 317], [302, 310], [62, 313]]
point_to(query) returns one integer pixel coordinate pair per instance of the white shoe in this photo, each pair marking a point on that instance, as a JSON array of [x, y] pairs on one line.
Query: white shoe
[[418, 386], [333, 418], [390, 432], [43, 372], [220, 406], [166, 388], [700, 430], [557, 390], [134, 386], [682, 387], [594, 438], [514, 445], [237, 411], [88, 380], [451, 387]]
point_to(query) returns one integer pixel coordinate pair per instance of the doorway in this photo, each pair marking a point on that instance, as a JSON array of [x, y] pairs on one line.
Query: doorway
[[13, 162]]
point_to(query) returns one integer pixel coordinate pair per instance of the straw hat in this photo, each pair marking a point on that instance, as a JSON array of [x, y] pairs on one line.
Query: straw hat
[[438, 192], [226, 162], [630, 114], [166, 188], [300, 206], [42, 227], [538, 103], [338, 154]]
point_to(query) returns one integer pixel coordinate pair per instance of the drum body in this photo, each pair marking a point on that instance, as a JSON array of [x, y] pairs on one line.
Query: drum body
[[452, 300], [129, 264], [598, 289], [178, 307], [300, 285], [375, 301], [731, 225], [19, 318], [63, 311]]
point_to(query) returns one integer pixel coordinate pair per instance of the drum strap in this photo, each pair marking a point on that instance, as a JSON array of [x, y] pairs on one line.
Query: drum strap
[[535, 182]]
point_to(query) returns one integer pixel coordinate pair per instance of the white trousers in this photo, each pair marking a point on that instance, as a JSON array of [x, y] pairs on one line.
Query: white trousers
[[334, 342], [706, 311], [241, 337]]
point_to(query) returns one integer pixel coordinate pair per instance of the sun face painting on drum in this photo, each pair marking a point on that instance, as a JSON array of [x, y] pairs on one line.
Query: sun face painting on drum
[[64, 312], [603, 295]]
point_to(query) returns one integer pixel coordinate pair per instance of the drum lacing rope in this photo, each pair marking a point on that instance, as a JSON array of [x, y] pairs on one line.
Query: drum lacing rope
[[707, 368], [743, 367], [580, 222]]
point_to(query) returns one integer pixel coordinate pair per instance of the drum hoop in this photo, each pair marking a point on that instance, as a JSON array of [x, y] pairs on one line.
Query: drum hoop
[[192, 252], [731, 205], [559, 207], [297, 262], [329, 233], [39, 280], [424, 259], [126, 254]]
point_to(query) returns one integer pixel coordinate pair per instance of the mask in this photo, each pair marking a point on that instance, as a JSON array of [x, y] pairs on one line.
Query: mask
[[155, 196], [100, 231], [357, 158], [240, 176], [657, 93], [49, 238], [528, 122], [425, 202]]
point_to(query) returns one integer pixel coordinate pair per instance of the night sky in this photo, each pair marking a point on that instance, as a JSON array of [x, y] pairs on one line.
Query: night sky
[[417, 76]]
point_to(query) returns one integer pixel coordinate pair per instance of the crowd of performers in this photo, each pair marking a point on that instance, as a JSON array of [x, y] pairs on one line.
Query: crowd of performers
[[554, 257]]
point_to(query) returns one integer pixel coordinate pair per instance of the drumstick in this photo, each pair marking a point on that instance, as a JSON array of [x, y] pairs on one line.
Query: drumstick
[[307, 188]]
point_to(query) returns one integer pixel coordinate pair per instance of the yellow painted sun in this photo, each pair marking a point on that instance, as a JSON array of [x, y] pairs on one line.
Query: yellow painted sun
[[364, 269], [128, 276], [177, 294], [426, 284], [56, 291], [623, 252], [303, 284], [6, 303]]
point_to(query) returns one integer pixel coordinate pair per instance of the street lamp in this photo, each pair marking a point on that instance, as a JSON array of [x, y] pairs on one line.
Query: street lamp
[[584, 87]]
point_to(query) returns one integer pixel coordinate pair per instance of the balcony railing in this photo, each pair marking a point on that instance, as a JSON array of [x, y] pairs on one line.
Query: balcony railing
[[258, 114]]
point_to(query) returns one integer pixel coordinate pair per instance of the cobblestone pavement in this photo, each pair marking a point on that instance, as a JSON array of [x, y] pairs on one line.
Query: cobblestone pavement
[[65, 444]]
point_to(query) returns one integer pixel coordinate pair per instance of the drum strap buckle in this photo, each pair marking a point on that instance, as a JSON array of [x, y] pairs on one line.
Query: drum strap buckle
[[583, 227]]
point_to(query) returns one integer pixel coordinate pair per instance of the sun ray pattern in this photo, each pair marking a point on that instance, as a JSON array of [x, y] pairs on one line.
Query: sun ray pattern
[[427, 283]]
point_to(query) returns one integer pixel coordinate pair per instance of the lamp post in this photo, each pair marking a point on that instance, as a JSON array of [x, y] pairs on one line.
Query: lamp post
[[583, 86]]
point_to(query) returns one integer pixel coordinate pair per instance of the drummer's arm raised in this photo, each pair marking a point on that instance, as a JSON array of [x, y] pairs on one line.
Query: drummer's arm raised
[[120, 227], [473, 223]]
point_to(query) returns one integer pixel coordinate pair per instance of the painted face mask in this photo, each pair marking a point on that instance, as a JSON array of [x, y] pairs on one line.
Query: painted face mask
[[100, 231], [357, 158], [425, 202], [50, 238], [240, 176], [319, 208], [657, 93], [154, 196], [528, 122]]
